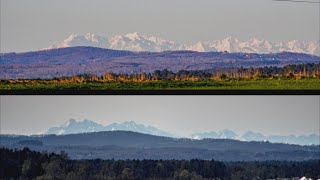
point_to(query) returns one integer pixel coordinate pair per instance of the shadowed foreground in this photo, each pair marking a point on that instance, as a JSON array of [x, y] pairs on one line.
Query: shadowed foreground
[[28, 164]]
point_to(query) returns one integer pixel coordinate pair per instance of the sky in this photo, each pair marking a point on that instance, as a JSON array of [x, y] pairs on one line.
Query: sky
[[182, 115], [36, 24]]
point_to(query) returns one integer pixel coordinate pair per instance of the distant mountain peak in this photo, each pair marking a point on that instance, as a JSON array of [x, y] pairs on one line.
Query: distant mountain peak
[[255, 136], [70, 121], [73, 126], [130, 122], [137, 42], [71, 37], [133, 36], [227, 134], [89, 39], [93, 37], [230, 39]]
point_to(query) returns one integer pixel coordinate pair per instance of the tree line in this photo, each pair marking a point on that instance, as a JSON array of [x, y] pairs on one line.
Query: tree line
[[300, 71], [27, 164], [295, 71]]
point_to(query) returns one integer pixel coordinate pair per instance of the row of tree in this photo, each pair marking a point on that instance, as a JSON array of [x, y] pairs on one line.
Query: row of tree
[[311, 70], [290, 71], [27, 164]]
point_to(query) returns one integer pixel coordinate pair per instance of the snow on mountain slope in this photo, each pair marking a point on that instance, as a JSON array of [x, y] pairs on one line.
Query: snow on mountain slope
[[135, 127], [88, 39], [199, 46], [224, 134], [137, 42], [72, 127], [253, 136]]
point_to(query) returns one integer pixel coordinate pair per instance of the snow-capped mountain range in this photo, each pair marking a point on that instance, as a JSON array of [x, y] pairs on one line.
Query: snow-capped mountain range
[[137, 42], [74, 127], [253, 136]]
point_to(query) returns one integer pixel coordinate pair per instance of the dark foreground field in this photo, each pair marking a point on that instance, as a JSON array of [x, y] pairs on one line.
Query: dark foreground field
[[26, 164]]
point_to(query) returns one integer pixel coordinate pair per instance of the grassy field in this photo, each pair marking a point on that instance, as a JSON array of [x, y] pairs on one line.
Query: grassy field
[[231, 84]]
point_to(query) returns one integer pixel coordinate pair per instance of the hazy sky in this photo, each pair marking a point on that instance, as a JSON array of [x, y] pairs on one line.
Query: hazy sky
[[270, 115], [35, 24]]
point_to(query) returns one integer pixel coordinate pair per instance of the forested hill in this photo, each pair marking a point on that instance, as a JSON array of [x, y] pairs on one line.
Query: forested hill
[[85, 60], [26, 164], [132, 145]]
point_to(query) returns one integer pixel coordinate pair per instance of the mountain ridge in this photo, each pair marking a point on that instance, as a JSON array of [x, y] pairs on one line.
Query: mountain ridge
[[70, 61], [256, 136], [137, 42], [133, 145], [73, 126]]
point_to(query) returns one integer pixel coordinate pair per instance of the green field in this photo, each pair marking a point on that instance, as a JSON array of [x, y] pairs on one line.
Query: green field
[[231, 84]]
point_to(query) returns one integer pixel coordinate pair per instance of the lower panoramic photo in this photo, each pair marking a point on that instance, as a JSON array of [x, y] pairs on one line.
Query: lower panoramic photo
[[160, 137]]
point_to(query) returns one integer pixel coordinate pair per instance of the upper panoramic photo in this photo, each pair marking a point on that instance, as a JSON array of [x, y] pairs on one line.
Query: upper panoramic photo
[[160, 46]]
